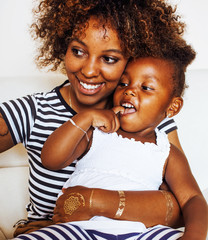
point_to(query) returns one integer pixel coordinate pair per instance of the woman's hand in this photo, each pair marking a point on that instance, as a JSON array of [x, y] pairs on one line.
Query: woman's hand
[[73, 205]]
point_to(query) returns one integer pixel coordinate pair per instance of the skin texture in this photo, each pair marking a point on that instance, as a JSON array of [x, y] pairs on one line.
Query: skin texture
[[147, 83]]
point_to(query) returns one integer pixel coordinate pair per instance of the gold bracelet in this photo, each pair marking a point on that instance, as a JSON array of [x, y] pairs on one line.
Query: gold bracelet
[[169, 205], [91, 195], [73, 123], [73, 202], [122, 203]]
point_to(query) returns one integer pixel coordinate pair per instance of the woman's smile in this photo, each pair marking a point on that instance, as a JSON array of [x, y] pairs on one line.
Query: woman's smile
[[89, 88]]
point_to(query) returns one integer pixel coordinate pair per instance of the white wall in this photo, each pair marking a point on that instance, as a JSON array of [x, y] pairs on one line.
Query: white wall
[[17, 49], [195, 15]]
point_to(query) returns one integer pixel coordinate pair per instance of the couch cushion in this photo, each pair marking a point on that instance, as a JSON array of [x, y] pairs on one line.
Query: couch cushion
[[14, 197]]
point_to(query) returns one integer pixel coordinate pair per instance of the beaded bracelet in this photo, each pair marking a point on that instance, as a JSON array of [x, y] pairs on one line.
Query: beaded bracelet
[[73, 123]]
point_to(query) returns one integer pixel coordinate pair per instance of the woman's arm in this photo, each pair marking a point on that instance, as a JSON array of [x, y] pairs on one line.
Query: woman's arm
[[174, 139], [5, 136], [182, 183], [149, 207]]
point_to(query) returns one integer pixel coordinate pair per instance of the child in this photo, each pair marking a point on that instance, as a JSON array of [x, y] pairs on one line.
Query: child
[[149, 90]]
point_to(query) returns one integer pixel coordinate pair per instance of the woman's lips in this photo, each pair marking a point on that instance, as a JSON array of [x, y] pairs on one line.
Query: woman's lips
[[90, 89]]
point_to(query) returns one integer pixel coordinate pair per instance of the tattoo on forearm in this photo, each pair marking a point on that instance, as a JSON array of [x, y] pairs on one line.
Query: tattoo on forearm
[[3, 128], [73, 202]]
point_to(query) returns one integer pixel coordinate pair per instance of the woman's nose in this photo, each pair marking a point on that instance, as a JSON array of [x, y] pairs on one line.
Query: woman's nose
[[90, 68]]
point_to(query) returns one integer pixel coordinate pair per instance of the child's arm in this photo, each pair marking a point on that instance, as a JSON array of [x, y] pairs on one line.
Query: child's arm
[[70, 141], [194, 207]]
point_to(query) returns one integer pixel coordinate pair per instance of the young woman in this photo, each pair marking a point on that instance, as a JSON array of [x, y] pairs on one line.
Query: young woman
[[91, 41]]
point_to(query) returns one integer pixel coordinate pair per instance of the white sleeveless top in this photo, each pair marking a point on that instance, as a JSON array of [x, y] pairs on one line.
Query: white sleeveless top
[[117, 163]]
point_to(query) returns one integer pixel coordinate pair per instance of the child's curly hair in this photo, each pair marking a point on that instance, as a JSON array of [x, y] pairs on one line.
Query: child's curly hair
[[143, 26]]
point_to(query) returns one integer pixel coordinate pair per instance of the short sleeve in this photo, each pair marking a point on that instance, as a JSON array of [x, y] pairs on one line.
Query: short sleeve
[[19, 116], [167, 125]]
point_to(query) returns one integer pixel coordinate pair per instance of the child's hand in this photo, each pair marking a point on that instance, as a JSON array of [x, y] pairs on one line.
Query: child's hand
[[118, 109], [106, 120]]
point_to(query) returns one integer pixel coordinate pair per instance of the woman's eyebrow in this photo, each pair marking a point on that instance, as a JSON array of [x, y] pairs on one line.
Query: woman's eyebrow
[[79, 41], [114, 50], [105, 51]]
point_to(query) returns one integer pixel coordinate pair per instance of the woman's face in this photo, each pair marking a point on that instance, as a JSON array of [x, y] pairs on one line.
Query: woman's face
[[94, 64]]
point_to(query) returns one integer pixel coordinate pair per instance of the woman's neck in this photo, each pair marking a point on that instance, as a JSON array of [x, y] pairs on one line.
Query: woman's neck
[[70, 98]]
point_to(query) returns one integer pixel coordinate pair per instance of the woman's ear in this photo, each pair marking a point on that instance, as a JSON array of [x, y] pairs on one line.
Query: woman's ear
[[174, 107]]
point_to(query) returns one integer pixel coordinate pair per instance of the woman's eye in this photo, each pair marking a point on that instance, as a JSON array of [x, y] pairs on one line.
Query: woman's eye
[[77, 52], [110, 60], [146, 88]]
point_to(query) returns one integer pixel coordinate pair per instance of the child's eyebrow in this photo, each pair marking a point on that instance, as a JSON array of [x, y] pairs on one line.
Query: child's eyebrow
[[152, 77]]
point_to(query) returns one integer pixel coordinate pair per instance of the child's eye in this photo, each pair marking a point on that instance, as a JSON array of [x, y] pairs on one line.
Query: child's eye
[[77, 52], [146, 88], [122, 84], [110, 60]]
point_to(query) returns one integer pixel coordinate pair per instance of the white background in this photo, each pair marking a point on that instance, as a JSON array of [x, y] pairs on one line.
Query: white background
[[17, 48]]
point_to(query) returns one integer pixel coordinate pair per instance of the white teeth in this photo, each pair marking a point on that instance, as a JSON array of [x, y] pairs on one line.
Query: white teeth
[[89, 86], [127, 105]]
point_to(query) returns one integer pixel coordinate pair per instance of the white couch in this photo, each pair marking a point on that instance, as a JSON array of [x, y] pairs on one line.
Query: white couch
[[192, 124]]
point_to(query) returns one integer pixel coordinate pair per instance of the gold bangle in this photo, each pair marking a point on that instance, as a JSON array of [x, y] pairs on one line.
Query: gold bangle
[[169, 206], [122, 203]]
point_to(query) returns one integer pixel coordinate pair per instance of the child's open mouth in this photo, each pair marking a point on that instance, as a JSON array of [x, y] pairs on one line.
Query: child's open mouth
[[128, 108]]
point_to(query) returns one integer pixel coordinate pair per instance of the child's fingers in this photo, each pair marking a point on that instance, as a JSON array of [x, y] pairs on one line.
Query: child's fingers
[[118, 109], [117, 124]]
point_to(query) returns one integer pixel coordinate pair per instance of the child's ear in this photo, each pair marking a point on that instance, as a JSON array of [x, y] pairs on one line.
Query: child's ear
[[174, 107]]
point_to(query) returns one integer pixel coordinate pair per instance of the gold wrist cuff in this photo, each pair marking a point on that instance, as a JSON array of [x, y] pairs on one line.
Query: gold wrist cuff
[[169, 206], [122, 203]]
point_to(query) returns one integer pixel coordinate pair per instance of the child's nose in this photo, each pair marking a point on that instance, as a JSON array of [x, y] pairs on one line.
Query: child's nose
[[90, 68], [130, 92]]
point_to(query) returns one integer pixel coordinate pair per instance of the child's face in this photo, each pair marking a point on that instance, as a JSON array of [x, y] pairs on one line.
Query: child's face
[[145, 91], [94, 63]]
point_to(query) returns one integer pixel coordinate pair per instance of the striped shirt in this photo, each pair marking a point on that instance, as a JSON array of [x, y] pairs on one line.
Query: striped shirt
[[31, 119]]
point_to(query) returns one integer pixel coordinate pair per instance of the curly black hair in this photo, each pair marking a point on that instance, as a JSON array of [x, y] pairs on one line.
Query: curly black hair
[[145, 27]]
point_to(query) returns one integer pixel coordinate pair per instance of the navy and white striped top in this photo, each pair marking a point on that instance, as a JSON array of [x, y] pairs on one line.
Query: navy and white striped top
[[31, 120]]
